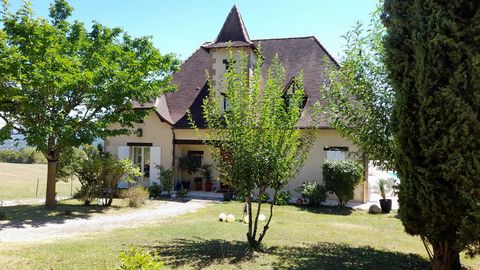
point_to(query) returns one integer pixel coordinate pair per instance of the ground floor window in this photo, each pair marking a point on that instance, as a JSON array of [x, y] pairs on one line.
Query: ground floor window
[[140, 156], [335, 152]]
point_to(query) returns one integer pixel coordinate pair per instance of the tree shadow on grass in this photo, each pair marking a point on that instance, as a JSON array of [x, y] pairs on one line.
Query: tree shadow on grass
[[199, 253], [328, 210], [340, 256], [35, 215]]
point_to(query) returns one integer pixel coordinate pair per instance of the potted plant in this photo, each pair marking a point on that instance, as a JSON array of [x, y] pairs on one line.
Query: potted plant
[[207, 174], [227, 192], [198, 183], [190, 165], [385, 186]]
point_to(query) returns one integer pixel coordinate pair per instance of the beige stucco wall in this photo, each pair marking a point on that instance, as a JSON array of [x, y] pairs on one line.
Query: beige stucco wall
[[160, 134], [189, 134], [218, 67], [154, 131], [312, 169]]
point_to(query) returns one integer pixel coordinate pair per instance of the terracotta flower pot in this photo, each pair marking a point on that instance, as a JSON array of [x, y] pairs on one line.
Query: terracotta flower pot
[[208, 186], [299, 202]]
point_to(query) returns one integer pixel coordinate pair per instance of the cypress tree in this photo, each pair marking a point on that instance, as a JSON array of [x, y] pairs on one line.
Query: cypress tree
[[433, 56]]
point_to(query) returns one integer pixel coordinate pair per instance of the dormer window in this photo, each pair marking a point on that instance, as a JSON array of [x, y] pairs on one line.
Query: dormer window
[[290, 90]]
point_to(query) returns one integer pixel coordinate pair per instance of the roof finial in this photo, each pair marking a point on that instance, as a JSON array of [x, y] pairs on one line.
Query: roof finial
[[233, 29]]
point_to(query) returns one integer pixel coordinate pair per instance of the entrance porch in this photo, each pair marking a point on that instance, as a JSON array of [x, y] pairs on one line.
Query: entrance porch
[[194, 167]]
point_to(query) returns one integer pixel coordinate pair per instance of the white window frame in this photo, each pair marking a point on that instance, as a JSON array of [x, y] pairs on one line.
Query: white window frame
[[142, 163], [336, 153]]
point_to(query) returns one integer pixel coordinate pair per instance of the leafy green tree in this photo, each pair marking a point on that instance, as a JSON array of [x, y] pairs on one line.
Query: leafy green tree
[[98, 172], [358, 100], [63, 86], [432, 53], [256, 144]]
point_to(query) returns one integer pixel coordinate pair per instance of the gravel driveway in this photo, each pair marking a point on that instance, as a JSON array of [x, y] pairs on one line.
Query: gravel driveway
[[51, 231]]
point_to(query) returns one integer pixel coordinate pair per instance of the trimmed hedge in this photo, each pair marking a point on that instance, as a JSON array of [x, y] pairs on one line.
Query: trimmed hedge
[[341, 178]]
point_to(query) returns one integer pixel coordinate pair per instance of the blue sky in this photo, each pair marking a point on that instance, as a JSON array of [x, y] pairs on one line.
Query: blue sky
[[181, 26]]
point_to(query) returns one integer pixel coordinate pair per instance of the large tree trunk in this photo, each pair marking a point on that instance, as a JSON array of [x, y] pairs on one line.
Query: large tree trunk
[[50, 201], [445, 258], [52, 158]]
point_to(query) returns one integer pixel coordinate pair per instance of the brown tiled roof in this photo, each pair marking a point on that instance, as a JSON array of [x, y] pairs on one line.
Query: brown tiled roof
[[190, 80], [296, 54]]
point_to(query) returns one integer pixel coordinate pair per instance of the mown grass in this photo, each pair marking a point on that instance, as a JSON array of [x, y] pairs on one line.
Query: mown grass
[[299, 238], [67, 209], [19, 181]]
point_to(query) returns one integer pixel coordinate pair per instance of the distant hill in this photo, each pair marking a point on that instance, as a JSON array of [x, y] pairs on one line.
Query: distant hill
[[17, 142]]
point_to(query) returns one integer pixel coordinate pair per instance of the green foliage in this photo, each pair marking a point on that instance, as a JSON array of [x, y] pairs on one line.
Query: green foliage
[[27, 155], [135, 196], [283, 198], [432, 53], [258, 145], [138, 259], [359, 97], [189, 164], [98, 173], [341, 178], [207, 172], [385, 186], [182, 193], [154, 191], [87, 193], [10, 156], [313, 192], [62, 85], [263, 197], [166, 178]]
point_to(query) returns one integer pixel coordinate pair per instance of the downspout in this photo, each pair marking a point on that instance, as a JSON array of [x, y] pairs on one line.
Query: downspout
[[173, 148], [365, 162]]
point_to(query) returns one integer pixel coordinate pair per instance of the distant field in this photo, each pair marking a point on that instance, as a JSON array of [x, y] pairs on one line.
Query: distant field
[[19, 181]]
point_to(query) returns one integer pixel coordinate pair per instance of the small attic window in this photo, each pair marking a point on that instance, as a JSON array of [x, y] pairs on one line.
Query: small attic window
[[290, 90], [226, 103], [227, 63]]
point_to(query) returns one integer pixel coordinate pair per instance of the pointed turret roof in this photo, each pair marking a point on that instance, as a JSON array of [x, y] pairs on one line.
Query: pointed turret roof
[[233, 32]]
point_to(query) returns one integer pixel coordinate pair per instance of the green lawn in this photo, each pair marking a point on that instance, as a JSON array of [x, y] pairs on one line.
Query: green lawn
[[19, 181], [66, 209], [299, 238]]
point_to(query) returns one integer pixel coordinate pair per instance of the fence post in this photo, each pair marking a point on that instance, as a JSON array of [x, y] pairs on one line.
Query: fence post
[[71, 186], [36, 191]]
